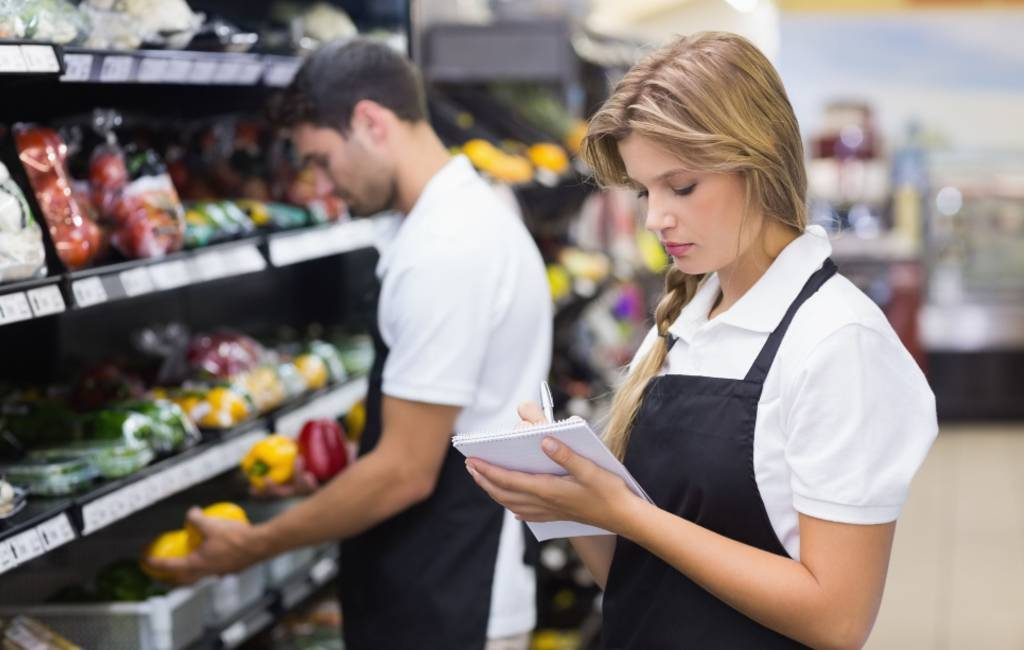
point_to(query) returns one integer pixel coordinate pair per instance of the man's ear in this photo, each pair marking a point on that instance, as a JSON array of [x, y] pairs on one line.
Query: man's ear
[[371, 118]]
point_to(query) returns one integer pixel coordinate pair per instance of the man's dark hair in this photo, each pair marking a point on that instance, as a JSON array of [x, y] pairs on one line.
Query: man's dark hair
[[339, 75]]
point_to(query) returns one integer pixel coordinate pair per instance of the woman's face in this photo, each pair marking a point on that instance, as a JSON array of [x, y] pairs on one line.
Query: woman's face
[[698, 216]]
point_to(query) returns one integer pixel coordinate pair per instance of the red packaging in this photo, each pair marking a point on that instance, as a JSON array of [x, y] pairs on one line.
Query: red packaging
[[224, 354], [43, 153]]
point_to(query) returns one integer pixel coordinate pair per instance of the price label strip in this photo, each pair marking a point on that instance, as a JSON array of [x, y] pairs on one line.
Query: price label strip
[[170, 275], [116, 69], [203, 71], [77, 67], [89, 292], [56, 532], [152, 69], [7, 559], [40, 58], [46, 300], [136, 282], [177, 71], [14, 308], [12, 60], [27, 546]]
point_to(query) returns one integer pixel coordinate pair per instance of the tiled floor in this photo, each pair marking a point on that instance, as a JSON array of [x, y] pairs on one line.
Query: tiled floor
[[957, 574]]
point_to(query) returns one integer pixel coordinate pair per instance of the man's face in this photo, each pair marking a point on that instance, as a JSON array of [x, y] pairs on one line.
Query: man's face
[[362, 173]]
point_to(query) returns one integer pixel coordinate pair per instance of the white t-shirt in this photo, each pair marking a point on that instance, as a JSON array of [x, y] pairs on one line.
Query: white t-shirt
[[465, 310], [846, 416]]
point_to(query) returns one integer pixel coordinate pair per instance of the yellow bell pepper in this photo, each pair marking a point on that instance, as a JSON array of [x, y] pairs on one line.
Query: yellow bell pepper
[[171, 544], [270, 459], [220, 510], [313, 370]]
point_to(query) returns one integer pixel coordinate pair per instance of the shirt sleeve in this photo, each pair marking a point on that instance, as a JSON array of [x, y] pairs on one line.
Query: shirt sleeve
[[435, 318], [860, 421]]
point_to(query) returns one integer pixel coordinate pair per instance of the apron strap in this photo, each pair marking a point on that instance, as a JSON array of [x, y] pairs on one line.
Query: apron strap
[[759, 371]]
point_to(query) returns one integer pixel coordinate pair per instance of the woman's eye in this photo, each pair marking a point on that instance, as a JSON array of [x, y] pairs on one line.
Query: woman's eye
[[686, 191], [642, 194]]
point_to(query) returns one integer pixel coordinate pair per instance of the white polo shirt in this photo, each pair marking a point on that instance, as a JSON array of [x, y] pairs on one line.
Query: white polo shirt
[[846, 416], [466, 312]]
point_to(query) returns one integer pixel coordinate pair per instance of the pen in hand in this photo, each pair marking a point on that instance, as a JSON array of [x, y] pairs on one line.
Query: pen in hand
[[546, 403]]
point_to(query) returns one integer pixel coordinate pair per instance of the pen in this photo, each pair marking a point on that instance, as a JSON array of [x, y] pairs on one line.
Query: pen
[[546, 402]]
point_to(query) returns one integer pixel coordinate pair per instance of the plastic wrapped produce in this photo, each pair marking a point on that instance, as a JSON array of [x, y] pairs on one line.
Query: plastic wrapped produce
[[43, 153], [129, 23], [21, 241], [58, 21], [224, 354]]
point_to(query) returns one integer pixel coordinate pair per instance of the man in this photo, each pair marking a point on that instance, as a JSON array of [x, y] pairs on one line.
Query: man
[[464, 319]]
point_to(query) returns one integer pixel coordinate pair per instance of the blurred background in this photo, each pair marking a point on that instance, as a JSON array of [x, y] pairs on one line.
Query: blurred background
[[911, 113]]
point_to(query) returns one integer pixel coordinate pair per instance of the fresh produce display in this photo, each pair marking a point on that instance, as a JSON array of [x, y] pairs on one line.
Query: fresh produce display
[[55, 476], [112, 459], [271, 459], [209, 222], [356, 354], [549, 156], [313, 370], [24, 633], [355, 421], [224, 354], [162, 424], [502, 166], [322, 447], [21, 241], [43, 153], [221, 510]]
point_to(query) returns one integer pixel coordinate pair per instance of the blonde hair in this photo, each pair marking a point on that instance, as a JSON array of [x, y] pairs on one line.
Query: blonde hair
[[715, 101]]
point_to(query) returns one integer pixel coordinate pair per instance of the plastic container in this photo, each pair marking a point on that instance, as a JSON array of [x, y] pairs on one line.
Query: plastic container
[[231, 594], [55, 476], [111, 459], [168, 622]]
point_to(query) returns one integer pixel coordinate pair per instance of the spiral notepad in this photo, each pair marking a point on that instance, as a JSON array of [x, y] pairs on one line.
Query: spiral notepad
[[519, 450]]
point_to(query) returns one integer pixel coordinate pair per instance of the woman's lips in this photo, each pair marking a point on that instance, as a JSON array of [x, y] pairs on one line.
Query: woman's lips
[[677, 250]]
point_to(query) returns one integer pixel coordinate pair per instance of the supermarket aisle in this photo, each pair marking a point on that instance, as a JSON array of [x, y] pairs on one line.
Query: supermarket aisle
[[957, 573]]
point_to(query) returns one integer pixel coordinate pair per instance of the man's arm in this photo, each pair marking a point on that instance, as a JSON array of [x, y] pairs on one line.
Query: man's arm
[[399, 472]]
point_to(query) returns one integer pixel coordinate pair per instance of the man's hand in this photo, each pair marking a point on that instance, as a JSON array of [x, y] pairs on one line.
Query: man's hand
[[303, 483], [228, 547]]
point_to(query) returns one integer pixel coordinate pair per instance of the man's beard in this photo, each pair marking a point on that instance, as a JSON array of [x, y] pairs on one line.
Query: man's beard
[[386, 203]]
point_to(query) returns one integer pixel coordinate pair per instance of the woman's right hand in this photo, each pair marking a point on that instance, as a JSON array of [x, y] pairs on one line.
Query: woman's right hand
[[531, 413]]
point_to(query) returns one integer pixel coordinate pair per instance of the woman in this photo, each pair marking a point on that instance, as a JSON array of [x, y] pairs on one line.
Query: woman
[[772, 414]]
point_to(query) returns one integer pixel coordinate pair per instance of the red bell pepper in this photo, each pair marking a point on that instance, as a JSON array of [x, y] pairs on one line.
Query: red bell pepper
[[322, 445]]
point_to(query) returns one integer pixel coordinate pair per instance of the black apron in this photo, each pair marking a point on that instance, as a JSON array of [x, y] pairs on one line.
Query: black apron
[[422, 579], [692, 448]]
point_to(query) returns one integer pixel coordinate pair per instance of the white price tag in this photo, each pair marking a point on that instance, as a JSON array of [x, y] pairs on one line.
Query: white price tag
[[116, 69], [40, 58], [13, 308], [95, 515], [11, 59], [152, 69], [136, 281], [89, 291], [7, 560], [292, 249], [211, 266], [77, 67], [27, 545], [281, 74], [56, 532], [228, 73], [170, 275], [46, 300], [203, 71], [251, 73], [245, 259], [177, 71]]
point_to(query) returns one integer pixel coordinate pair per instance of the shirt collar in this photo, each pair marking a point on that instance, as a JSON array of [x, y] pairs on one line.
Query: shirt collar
[[762, 307], [455, 172]]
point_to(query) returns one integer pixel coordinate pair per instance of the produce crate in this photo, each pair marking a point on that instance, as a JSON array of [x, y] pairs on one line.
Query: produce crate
[[169, 622], [230, 594]]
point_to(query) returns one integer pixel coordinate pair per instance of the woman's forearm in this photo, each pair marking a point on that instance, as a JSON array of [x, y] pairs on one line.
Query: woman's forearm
[[596, 552]]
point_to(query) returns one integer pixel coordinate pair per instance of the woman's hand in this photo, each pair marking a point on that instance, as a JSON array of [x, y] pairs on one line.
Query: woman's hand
[[588, 494]]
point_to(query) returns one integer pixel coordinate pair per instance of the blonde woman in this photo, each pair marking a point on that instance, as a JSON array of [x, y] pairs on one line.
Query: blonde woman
[[771, 414]]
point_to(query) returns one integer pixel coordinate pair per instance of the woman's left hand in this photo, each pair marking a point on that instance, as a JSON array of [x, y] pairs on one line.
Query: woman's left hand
[[589, 494]]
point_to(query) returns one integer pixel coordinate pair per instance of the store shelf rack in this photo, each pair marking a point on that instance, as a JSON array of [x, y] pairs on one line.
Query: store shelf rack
[[21, 301], [46, 524]]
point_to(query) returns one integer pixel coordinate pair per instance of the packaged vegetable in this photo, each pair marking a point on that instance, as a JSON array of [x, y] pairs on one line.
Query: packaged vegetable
[[21, 241], [331, 357], [356, 354], [223, 354], [146, 215], [228, 406], [57, 21], [271, 459], [171, 429], [12, 500], [265, 387], [78, 239], [221, 510], [112, 459], [125, 581], [322, 445], [105, 383], [33, 422], [293, 382], [53, 477], [355, 421]]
